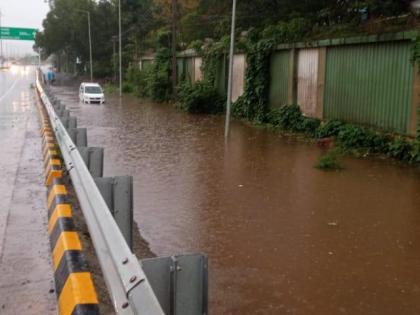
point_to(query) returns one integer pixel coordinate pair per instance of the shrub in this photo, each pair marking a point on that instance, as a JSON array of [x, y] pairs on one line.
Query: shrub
[[376, 141], [309, 125], [200, 98], [110, 88], [329, 129], [415, 153], [329, 160], [351, 137], [400, 149], [290, 117], [155, 81], [127, 87]]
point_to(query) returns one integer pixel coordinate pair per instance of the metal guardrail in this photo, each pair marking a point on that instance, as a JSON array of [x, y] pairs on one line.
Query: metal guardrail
[[129, 289]]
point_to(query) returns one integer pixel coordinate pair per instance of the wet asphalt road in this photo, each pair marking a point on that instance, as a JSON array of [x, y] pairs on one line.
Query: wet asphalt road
[[282, 236], [26, 277]]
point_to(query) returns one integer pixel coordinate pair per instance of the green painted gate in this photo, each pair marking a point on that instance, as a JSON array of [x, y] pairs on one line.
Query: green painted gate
[[279, 78], [370, 84]]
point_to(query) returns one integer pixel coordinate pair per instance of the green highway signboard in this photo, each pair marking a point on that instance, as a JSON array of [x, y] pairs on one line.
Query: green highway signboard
[[17, 33]]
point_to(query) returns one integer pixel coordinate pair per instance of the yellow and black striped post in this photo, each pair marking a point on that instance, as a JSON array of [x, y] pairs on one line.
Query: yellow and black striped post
[[74, 286], [73, 282]]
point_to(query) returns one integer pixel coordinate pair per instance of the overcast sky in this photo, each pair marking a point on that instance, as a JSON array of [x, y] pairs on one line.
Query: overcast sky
[[22, 13]]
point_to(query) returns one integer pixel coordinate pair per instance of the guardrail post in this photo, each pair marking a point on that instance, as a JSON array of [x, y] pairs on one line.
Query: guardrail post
[[94, 160], [179, 282], [118, 195]]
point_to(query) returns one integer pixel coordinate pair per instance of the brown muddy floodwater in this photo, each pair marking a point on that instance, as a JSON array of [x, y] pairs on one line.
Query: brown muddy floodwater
[[282, 237]]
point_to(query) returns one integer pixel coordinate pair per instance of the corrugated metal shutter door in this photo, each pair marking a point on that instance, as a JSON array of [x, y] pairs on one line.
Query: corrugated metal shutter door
[[279, 78], [198, 75], [239, 65], [370, 84], [308, 80]]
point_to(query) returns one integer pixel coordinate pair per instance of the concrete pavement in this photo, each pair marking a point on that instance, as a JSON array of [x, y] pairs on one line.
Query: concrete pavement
[[26, 274]]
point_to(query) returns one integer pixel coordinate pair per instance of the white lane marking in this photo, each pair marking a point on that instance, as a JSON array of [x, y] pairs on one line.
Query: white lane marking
[[9, 90]]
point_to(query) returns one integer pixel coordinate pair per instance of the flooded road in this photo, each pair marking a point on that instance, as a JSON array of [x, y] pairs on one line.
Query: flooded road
[[26, 272], [282, 236]]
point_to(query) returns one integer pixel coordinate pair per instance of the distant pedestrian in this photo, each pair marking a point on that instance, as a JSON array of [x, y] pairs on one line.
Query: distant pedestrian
[[50, 77]]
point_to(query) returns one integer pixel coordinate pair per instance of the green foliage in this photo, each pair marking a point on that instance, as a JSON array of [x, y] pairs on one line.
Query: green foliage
[[415, 153], [158, 85], [154, 81], [352, 136], [128, 87], [138, 80], [290, 117], [348, 137], [213, 55], [253, 104], [197, 45], [329, 160], [147, 24], [415, 51], [400, 149], [200, 98], [291, 31], [110, 88], [330, 128]]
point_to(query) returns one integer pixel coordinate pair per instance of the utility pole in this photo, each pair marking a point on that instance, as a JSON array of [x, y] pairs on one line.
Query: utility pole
[[174, 29], [120, 44], [230, 80]]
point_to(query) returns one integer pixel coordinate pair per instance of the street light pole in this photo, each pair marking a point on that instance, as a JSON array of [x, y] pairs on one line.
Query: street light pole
[[1, 45], [120, 44], [173, 44], [90, 43], [90, 48], [114, 58], [230, 80]]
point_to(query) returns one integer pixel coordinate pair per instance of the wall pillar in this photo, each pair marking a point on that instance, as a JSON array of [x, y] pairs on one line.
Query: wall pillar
[[319, 110], [292, 84], [415, 101]]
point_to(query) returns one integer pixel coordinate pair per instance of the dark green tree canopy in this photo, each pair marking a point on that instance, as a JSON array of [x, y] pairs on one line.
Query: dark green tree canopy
[[146, 23]]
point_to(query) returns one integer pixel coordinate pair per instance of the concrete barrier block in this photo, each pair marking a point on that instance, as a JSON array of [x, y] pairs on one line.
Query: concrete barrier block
[[79, 136], [179, 282], [118, 195], [94, 160]]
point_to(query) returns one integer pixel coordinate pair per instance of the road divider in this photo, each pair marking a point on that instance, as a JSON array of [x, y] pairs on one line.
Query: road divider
[[74, 286]]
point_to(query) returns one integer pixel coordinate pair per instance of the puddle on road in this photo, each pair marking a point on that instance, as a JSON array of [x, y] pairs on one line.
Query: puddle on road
[[282, 236]]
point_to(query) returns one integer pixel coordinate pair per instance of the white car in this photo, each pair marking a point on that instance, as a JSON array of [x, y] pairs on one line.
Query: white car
[[91, 93]]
